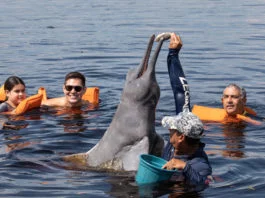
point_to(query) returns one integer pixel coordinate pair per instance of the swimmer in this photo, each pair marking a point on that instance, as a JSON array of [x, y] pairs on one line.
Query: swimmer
[[234, 100], [234, 97], [15, 92], [74, 88]]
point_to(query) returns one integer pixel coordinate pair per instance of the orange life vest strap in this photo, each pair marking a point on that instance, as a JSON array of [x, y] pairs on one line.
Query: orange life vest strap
[[91, 95], [42, 91], [248, 119], [2, 94], [250, 111], [28, 104], [220, 115], [209, 113]]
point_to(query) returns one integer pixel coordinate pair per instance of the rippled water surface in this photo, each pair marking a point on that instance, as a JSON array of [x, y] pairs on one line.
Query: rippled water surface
[[41, 41]]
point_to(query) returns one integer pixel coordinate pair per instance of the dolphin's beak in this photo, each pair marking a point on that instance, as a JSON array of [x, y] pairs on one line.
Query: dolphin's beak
[[144, 64], [143, 67]]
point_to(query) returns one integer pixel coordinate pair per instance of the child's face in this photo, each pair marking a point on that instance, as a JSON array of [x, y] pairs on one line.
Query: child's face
[[17, 94]]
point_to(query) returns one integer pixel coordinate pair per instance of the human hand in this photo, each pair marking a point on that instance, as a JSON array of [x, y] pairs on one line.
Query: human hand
[[174, 164], [175, 41]]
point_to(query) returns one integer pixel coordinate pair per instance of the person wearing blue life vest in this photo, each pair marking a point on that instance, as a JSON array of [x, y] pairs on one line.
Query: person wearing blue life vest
[[184, 151]]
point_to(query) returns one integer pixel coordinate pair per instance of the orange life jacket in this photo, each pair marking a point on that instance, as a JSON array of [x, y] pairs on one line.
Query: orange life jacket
[[91, 95], [2, 94], [219, 115], [29, 103]]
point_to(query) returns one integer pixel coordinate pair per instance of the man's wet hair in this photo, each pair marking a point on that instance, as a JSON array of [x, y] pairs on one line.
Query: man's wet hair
[[77, 75], [242, 90]]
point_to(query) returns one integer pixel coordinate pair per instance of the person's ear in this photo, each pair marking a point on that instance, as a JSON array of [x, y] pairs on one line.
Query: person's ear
[[7, 93], [84, 90], [181, 137], [64, 90], [244, 101]]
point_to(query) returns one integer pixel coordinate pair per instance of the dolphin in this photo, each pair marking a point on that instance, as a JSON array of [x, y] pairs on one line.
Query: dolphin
[[132, 130]]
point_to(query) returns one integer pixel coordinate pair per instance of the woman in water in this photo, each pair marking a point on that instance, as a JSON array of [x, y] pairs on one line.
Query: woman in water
[[15, 92]]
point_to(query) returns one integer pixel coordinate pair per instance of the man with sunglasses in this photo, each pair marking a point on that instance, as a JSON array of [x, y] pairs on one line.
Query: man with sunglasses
[[74, 88]]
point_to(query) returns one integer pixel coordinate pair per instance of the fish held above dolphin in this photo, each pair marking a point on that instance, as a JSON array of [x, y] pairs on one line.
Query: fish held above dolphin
[[132, 130]]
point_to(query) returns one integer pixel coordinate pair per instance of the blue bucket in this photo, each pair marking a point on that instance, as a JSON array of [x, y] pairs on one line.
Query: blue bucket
[[150, 170]]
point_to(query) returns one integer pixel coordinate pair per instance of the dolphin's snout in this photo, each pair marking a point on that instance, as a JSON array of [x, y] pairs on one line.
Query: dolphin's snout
[[145, 60], [163, 36]]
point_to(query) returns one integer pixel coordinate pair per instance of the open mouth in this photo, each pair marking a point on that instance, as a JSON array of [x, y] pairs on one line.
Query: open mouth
[[144, 66], [146, 57]]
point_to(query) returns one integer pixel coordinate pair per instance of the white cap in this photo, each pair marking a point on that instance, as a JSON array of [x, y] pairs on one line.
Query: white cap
[[185, 122]]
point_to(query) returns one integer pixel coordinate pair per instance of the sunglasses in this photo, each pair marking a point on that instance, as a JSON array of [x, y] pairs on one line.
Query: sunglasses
[[76, 88]]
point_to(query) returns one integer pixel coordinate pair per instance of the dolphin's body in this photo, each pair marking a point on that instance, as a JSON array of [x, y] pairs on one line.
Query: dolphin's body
[[132, 130]]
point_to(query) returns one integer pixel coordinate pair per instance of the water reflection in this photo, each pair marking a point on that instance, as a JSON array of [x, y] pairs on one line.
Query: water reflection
[[16, 145], [235, 140], [11, 135], [12, 126], [125, 186], [15, 125], [232, 138], [73, 124], [72, 119]]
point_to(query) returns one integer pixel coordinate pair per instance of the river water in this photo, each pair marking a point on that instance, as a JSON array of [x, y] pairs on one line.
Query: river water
[[41, 41]]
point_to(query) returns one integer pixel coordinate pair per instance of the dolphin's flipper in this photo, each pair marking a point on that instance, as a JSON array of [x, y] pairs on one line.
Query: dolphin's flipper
[[79, 159]]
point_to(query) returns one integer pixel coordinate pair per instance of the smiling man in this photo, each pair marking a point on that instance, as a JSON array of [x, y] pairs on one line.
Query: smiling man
[[234, 100], [74, 88]]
